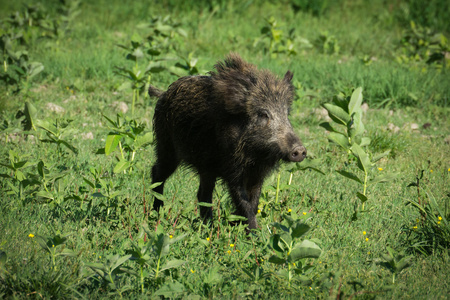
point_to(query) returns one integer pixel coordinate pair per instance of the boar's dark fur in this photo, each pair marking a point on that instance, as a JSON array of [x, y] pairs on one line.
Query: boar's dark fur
[[231, 125]]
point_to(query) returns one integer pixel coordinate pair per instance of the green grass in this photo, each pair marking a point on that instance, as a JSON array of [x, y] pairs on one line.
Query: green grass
[[79, 75]]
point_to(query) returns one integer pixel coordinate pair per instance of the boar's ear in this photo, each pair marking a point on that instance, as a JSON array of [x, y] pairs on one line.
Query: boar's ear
[[288, 76], [234, 101], [233, 91]]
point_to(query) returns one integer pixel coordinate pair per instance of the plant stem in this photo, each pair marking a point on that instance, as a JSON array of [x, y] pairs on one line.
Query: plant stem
[[278, 187], [142, 279], [157, 268], [365, 187]]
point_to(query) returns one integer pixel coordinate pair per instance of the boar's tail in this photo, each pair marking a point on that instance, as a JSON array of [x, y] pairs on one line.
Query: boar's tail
[[154, 92]]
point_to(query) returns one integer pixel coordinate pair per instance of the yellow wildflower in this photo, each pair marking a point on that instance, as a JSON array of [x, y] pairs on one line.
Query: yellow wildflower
[[289, 210], [207, 239], [439, 218], [31, 235], [367, 239], [304, 213], [229, 252], [231, 245], [380, 169], [364, 232], [170, 236], [259, 211], [192, 271]]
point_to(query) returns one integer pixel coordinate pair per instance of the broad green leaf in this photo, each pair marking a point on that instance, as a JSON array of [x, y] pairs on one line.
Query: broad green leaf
[[172, 264], [380, 156], [365, 141], [361, 197], [44, 124], [339, 139], [403, 263], [90, 183], [112, 141], [19, 175], [363, 159], [162, 245], [120, 261], [42, 241], [121, 166], [356, 127], [97, 267], [306, 249], [34, 68], [350, 176], [327, 126], [143, 140], [45, 194], [67, 252], [299, 229], [275, 243], [170, 290], [337, 114], [383, 178], [277, 260], [355, 101], [69, 146], [30, 115]]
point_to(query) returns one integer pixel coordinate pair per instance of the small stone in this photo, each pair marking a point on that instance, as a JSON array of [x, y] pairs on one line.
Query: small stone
[[54, 108], [122, 106], [393, 128], [87, 136]]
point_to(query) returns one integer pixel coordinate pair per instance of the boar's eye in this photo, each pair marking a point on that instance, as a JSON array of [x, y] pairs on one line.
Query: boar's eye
[[263, 116]]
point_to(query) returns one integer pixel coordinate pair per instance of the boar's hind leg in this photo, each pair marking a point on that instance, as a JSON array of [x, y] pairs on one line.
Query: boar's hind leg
[[160, 172], [205, 191]]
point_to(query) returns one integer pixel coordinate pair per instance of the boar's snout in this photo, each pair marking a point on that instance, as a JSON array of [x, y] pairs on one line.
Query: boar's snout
[[297, 154]]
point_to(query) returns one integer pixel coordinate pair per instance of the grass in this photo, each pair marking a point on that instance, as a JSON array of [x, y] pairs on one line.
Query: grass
[[80, 77]]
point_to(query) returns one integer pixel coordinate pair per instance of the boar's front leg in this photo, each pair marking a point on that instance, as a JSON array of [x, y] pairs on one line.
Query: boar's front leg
[[246, 199], [205, 191]]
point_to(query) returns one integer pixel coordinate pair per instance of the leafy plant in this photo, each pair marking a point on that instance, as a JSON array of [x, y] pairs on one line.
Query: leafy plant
[[431, 231], [150, 251], [110, 269], [51, 187], [395, 262], [138, 76], [58, 133], [129, 136], [19, 177], [188, 67], [17, 69], [55, 247], [422, 44], [279, 42], [291, 253], [347, 131], [327, 43]]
